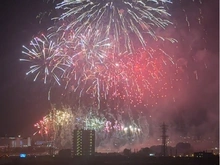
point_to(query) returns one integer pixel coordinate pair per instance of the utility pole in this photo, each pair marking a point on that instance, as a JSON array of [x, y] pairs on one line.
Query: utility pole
[[164, 139], [52, 136]]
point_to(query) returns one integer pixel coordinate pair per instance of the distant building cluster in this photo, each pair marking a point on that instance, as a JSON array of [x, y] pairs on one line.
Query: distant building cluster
[[14, 142], [203, 154]]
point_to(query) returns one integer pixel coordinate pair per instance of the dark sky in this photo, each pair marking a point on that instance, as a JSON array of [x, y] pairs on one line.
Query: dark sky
[[23, 102]]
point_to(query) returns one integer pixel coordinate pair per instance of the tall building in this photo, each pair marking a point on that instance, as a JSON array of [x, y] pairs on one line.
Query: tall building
[[164, 139], [83, 142]]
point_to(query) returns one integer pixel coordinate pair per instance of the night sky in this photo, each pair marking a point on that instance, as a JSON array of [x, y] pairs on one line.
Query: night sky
[[23, 102]]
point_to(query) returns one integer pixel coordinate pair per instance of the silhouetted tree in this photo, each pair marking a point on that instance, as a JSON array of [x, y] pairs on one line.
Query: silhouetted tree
[[126, 152]]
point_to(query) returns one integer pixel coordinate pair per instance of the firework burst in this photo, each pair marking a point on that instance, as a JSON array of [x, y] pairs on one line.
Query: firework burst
[[101, 51], [118, 129], [44, 59], [126, 22]]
